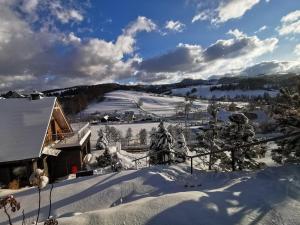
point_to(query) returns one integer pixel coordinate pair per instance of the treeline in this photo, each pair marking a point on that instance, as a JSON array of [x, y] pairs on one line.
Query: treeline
[[263, 82], [77, 99]]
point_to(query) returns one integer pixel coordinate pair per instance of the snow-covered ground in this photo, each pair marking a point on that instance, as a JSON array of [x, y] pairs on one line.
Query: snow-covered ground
[[170, 195], [204, 91], [154, 104], [136, 127], [121, 101]]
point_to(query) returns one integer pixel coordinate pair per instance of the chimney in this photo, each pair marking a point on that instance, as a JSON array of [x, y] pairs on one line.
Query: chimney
[[35, 95]]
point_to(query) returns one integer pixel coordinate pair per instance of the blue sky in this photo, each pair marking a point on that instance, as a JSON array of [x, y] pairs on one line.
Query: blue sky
[[51, 44], [203, 33]]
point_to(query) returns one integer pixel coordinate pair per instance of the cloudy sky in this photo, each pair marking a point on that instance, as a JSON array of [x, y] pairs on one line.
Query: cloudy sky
[[59, 43]]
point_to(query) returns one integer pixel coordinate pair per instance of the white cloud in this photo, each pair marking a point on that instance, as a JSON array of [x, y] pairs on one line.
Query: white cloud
[[291, 17], [71, 38], [261, 29], [93, 60], [202, 16], [290, 24], [297, 50], [234, 9], [272, 67], [41, 65], [221, 57], [105, 59], [236, 33], [175, 26], [63, 14], [141, 24], [226, 10], [29, 6]]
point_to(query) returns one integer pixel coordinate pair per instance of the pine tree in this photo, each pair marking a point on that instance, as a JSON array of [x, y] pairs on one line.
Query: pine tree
[[143, 137], [161, 143], [128, 135], [287, 114], [102, 142], [180, 146], [236, 133], [112, 134], [209, 139], [105, 159]]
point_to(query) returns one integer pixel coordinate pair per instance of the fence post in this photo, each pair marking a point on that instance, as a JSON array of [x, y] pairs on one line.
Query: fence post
[[191, 165]]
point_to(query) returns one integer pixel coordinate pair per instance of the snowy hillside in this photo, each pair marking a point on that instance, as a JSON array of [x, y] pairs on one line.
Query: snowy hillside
[[122, 101], [170, 195], [204, 91]]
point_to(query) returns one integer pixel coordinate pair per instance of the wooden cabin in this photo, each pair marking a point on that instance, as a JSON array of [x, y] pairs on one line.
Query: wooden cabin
[[35, 133]]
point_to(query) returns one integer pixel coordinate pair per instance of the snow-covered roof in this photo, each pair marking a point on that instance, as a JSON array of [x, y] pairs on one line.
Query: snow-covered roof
[[23, 126]]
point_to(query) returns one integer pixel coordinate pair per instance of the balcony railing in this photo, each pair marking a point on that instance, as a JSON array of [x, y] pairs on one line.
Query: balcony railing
[[73, 138]]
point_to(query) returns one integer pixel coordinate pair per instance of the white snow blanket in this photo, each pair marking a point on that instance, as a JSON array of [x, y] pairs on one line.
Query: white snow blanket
[[170, 195]]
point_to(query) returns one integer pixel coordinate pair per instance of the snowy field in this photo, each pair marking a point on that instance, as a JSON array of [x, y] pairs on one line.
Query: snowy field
[[121, 101], [204, 91], [170, 195], [157, 105]]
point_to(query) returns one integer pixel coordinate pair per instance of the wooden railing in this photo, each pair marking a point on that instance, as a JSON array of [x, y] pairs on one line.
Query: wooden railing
[[72, 137], [229, 149]]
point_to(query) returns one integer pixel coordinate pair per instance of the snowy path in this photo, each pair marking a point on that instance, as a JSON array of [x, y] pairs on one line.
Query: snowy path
[[158, 195]]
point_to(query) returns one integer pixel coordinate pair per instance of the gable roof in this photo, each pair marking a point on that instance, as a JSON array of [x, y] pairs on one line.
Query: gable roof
[[23, 126]]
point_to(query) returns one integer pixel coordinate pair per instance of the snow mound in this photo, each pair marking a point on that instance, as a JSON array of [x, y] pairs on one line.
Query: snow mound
[[224, 198], [147, 211]]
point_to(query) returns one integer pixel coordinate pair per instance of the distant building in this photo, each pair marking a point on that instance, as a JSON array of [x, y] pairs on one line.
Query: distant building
[[35, 133]]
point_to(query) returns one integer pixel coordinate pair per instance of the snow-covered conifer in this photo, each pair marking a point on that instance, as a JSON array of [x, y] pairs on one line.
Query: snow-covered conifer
[[161, 146], [102, 142], [180, 146], [235, 134]]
